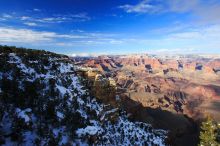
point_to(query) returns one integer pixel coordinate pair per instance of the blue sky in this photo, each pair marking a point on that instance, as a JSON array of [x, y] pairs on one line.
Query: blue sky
[[89, 27]]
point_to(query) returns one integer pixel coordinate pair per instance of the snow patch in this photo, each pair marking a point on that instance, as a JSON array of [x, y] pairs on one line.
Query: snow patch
[[65, 68], [23, 114], [7, 123], [33, 61], [62, 89], [91, 130], [17, 60], [29, 138], [60, 115]]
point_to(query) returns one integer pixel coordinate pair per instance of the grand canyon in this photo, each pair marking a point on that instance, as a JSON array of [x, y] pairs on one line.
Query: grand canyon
[[172, 92], [110, 73]]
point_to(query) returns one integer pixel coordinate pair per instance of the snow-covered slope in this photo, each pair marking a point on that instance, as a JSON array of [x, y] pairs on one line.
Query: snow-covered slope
[[43, 102]]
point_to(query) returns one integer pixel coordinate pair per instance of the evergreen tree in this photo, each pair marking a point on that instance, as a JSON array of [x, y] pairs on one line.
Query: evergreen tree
[[218, 133], [208, 133]]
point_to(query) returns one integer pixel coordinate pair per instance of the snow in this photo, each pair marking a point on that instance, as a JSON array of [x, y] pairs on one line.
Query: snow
[[135, 130], [8, 76], [95, 106], [29, 138], [75, 84], [23, 114], [117, 97], [7, 123], [17, 60], [62, 89], [45, 76], [64, 140], [33, 61], [14, 58], [28, 110], [60, 115], [64, 137], [80, 101], [56, 131], [82, 113], [65, 68], [91, 130], [108, 112], [111, 111]]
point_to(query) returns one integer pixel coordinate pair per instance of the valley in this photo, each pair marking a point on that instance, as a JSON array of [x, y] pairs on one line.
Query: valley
[[170, 92]]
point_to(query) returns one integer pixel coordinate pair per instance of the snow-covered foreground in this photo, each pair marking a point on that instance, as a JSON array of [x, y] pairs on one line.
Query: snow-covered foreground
[[44, 103]]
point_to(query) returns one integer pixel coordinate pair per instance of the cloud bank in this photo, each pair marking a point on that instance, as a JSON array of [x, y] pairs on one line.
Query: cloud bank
[[207, 11]]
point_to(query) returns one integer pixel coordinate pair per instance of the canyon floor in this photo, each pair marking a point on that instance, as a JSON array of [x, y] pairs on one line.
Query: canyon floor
[[170, 92]]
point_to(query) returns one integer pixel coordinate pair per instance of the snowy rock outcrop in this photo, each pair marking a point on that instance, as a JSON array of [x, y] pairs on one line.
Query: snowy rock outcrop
[[43, 102]]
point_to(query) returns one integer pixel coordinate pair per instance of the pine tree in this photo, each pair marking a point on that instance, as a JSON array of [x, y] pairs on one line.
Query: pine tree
[[218, 133], [208, 133]]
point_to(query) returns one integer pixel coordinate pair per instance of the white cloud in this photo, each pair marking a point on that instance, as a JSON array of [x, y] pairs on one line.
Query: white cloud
[[32, 36], [28, 35], [30, 23], [52, 19], [55, 18], [204, 38], [206, 11], [81, 15], [7, 16], [25, 17], [3, 19], [86, 54], [37, 10], [187, 35], [58, 18], [209, 33], [160, 6], [24, 35], [181, 6], [142, 7]]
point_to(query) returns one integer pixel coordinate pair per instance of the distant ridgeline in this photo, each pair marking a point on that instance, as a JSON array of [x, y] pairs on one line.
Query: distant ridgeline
[[44, 101]]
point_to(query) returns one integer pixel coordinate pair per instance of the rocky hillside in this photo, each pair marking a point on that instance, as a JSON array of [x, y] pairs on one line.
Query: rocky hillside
[[43, 102]]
